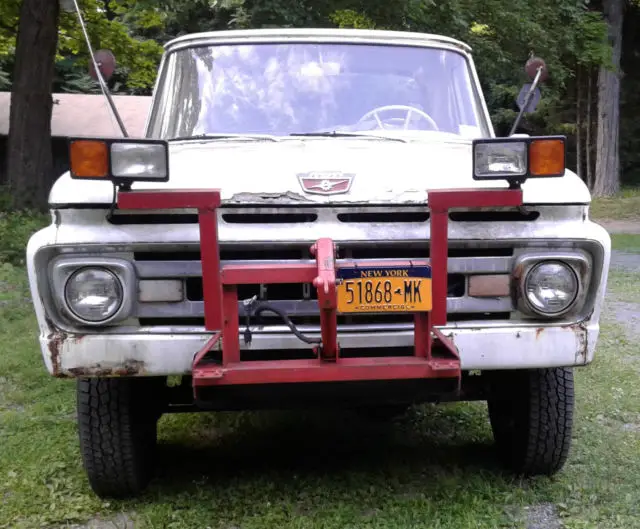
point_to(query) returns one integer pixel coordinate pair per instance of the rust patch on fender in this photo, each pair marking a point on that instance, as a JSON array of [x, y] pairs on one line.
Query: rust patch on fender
[[57, 339], [582, 336], [539, 331], [126, 369]]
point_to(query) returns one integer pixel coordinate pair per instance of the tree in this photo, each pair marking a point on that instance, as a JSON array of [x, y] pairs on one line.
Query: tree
[[43, 35], [29, 154], [607, 174]]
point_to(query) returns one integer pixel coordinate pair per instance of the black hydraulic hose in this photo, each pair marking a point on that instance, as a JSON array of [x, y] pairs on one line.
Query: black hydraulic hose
[[263, 306]]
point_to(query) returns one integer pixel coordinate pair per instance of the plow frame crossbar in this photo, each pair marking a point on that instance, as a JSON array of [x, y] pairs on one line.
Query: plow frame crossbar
[[221, 301]]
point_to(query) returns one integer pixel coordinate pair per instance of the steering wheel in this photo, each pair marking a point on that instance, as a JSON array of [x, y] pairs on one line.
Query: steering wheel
[[410, 110]]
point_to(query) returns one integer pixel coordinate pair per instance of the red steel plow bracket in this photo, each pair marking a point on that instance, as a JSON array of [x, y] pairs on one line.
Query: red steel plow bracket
[[435, 356]]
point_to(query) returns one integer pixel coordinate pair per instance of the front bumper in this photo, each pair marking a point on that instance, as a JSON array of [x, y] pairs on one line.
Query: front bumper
[[170, 351], [513, 347]]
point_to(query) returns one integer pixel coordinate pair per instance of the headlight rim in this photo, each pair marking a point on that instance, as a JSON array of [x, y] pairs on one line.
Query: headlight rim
[[62, 266], [525, 283], [79, 317], [580, 260]]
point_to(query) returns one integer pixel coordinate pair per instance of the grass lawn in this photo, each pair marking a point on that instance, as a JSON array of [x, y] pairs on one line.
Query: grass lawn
[[625, 206], [625, 242], [434, 468]]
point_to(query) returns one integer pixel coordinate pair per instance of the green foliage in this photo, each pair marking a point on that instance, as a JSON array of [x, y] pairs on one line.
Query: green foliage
[[15, 229], [348, 18], [9, 11], [5, 81], [70, 78], [137, 56], [118, 25], [568, 34]]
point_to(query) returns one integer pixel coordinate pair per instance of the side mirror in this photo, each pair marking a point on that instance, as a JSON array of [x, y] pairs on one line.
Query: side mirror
[[529, 95], [536, 70], [107, 64]]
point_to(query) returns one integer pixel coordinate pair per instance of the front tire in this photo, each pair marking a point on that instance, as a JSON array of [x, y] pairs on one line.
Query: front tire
[[117, 423], [531, 414]]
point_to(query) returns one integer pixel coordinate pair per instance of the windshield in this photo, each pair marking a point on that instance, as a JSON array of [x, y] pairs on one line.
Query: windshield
[[290, 88]]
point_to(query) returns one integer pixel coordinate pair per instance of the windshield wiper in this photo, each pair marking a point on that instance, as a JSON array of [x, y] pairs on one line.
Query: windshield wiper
[[210, 136], [335, 134]]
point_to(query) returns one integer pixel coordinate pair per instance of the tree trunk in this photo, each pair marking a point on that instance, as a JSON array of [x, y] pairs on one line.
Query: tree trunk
[[30, 160], [607, 174], [587, 141], [579, 171]]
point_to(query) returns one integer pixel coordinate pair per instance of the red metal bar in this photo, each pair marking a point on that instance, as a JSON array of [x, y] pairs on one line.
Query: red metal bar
[[221, 303], [344, 369], [231, 329], [206, 201], [206, 348], [325, 282], [440, 202], [169, 199], [422, 334], [256, 274], [211, 280], [439, 251], [447, 343], [441, 199]]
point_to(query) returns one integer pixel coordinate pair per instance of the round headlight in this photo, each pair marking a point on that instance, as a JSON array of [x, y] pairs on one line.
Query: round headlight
[[551, 288], [93, 294]]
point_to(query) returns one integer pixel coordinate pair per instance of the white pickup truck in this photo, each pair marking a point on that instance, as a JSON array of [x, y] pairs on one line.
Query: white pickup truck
[[317, 218]]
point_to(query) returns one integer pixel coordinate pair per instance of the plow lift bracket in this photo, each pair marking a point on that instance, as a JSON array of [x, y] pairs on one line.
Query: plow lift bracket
[[435, 355]]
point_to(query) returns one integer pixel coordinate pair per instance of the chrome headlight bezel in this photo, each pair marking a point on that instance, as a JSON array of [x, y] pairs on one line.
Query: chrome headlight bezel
[[578, 262], [117, 286], [572, 291], [63, 267]]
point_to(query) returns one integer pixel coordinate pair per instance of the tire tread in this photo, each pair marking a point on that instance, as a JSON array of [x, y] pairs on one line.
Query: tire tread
[[116, 439]]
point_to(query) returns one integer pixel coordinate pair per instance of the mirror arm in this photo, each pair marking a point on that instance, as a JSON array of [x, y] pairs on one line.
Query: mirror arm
[[534, 85], [101, 81]]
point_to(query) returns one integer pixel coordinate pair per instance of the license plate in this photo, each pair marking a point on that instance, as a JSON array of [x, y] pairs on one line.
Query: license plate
[[384, 289]]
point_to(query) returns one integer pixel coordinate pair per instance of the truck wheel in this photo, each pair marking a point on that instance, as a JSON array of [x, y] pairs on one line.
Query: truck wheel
[[531, 414], [117, 423]]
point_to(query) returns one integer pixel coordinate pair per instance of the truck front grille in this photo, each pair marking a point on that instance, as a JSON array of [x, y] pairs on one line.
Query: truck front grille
[[298, 300]]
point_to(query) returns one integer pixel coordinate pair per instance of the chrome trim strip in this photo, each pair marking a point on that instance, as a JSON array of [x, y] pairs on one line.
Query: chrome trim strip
[[175, 269], [195, 309]]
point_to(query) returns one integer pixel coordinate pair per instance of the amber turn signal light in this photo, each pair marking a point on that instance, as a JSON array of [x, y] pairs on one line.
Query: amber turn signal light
[[89, 159], [547, 157], [516, 158]]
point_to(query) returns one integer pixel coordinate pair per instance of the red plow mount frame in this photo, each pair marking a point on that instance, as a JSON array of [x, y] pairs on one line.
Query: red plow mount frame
[[435, 356]]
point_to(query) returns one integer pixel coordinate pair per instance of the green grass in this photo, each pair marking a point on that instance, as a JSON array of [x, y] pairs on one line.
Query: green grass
[[625, 286], [625, 206], [435, 468], [15, 229], [625, 242]]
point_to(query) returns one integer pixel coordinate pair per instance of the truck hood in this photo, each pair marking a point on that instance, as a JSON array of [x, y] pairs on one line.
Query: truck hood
[[269, 173]]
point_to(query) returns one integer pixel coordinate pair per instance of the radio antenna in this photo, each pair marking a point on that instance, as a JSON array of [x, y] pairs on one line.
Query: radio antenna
[[70, 5]]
